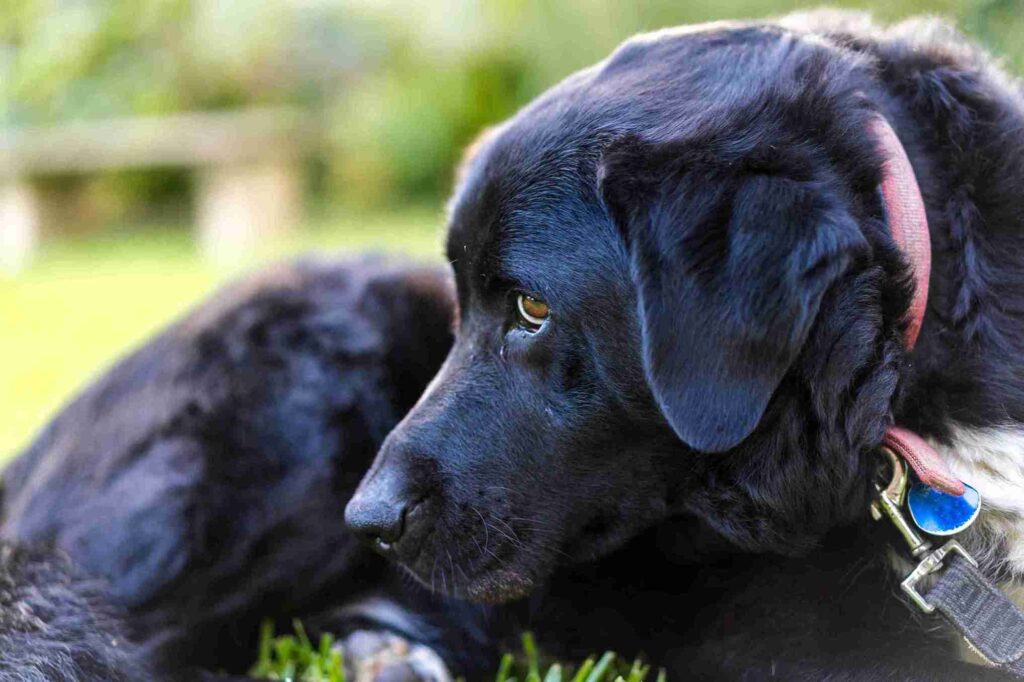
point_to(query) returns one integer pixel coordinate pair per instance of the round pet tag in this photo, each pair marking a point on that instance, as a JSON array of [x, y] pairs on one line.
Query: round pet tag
[[939, 513]]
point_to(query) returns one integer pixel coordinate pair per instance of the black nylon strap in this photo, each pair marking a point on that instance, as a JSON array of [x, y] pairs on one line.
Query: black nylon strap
[[981, 612]]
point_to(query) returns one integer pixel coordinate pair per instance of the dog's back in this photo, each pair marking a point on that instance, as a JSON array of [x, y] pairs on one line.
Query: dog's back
[[205, 475]]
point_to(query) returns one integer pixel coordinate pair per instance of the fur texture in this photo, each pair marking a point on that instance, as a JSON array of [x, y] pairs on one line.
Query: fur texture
[[57, 625]]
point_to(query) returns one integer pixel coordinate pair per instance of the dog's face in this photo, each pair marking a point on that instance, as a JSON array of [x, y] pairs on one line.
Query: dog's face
[[660, 311], [538, 440]]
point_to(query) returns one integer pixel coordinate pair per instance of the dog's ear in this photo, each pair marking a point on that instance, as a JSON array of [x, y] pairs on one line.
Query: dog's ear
[[730, 266]]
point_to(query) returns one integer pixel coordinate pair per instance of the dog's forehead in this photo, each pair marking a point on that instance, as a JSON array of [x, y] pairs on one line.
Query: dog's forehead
[[530, 196], [532, 214]]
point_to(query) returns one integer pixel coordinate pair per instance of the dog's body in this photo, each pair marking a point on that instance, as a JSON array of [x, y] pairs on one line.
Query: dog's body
[[203, 478], [723, 304]]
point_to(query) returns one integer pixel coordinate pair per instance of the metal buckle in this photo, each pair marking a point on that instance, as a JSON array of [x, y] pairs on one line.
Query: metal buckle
[[931, 563], [889, 504]]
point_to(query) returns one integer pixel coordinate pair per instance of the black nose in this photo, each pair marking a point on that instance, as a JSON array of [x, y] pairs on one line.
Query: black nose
[[379, 522], [386, 511]]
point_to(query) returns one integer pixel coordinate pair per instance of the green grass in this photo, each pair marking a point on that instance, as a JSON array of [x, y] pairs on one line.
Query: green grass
[[295, 658], [85, 301], [609, 667]]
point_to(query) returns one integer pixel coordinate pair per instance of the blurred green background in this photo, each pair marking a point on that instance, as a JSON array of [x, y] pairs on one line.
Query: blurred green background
[[396, 88]]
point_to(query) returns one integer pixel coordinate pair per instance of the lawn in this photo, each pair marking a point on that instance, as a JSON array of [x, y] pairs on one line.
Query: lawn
[[83, 302], [297, 658]]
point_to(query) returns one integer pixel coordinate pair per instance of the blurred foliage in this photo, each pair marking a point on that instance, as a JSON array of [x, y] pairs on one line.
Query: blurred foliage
[[403, 85], [96, 58], [294, 658]]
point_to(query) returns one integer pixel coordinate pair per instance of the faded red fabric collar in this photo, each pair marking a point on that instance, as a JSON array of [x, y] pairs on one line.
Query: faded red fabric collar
[[908, 225]]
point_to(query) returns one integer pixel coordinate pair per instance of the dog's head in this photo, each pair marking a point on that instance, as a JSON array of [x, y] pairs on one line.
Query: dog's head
[[676, 295]]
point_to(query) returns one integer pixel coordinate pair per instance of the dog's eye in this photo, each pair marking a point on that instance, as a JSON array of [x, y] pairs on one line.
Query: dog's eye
[[532, 311]]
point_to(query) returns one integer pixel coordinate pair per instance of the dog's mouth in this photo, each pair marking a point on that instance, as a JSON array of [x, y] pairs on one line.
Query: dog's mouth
[[500, 563], [489, 580], [504, 561]]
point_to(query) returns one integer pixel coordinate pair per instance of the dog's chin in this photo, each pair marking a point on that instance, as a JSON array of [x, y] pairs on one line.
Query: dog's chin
[[486, 585], [499, 586]]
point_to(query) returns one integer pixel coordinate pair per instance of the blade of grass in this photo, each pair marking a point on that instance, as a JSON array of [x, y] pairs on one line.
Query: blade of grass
[[532, 658], [554, 674], [584, 671], [598, 673], [505, 668], [266, 646]]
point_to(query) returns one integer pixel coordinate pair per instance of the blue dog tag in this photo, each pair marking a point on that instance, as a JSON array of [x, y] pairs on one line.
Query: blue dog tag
[[939, 513]]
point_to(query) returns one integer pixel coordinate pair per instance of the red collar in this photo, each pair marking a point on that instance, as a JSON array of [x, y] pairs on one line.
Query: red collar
[[908, 225]]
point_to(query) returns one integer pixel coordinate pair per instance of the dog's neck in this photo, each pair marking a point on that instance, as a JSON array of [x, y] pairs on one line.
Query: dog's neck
[[965, 389]]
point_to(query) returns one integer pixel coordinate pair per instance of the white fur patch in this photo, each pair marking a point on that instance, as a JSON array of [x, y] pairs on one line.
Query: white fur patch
[[992, 460]]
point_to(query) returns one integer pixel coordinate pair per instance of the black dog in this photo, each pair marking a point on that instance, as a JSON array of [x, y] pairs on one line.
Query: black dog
[[688, 604], [678, 295], [205, 476]]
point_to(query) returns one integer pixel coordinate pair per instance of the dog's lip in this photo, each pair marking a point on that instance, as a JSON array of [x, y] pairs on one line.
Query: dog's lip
[[500, 585], [493, 581], [491, 586]]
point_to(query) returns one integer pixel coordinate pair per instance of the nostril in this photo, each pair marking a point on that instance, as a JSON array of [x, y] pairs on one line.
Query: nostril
[[386, 537], [392, 531], [378, 523]]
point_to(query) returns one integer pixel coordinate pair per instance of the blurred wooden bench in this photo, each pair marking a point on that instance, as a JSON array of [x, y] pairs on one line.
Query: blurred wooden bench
[[249, 175]]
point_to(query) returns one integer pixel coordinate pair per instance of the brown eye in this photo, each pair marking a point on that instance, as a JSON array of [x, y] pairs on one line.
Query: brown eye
[[532, 311]]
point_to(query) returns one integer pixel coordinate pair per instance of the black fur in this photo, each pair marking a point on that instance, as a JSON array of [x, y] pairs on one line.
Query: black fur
[[705, 612], [56, 625], [204, 477], [701, 212]]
